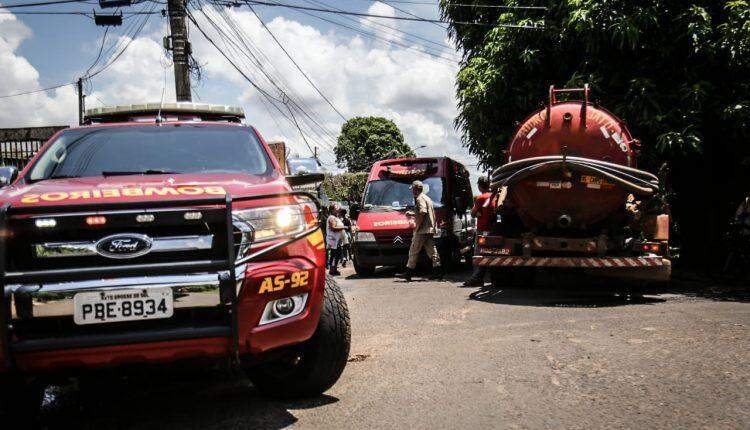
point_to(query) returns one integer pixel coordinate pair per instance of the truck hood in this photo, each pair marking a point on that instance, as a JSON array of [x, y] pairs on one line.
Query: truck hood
[[133, 188]]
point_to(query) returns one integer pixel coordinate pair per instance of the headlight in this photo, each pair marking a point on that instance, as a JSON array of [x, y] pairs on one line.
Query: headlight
[[365, 236], [284, 308], [273, 222]]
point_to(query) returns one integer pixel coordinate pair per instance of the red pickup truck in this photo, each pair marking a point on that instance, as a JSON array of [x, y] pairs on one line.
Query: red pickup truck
[[159, 233]]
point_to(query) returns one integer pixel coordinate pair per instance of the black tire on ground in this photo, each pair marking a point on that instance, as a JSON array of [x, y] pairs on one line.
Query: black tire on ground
[[20, 397], [321, 360], [363, 270]]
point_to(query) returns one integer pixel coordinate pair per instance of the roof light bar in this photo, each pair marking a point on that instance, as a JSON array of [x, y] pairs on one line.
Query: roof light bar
[[165, 108]]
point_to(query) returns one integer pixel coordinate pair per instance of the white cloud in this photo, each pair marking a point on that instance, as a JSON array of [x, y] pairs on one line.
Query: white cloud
[[380, 25], [20, 76]]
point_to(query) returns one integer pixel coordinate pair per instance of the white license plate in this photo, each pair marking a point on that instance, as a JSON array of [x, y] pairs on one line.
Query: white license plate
[[98, 307]]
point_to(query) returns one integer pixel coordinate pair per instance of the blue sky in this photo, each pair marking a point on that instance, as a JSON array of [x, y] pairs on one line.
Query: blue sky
[[360, 75]]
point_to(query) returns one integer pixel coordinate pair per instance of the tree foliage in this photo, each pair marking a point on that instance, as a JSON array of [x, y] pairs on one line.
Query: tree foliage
[[677, 71], [345, 186], [364, 140]]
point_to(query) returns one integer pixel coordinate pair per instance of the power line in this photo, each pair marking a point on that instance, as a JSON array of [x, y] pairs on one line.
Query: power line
[[441, 25], [37, 91], [70, 12], [286, 100], [297, 65], [482, 6], [56, 2], [433, 56], [399, 18], [88, 76], [308, 117], [45, 3], [379, 24], [257, 87]]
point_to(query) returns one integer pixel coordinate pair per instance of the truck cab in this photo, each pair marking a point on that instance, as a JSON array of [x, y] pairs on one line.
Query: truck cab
[[384, 228], [157, 233]]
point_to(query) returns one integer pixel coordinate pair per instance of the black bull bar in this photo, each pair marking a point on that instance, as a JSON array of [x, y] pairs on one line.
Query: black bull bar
[[219, 208]]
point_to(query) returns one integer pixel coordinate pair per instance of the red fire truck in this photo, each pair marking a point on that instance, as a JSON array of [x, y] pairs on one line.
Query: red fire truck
[[164, 232], [384, 229]]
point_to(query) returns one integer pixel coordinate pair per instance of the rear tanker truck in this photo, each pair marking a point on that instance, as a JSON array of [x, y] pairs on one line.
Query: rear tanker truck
[[570, 196]]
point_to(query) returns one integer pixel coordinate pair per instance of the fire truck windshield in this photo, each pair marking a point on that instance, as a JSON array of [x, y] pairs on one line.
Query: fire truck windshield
[[396, 194], [184, 148]]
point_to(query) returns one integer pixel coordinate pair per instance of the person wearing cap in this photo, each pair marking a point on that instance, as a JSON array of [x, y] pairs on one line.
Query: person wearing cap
[[424, 231]]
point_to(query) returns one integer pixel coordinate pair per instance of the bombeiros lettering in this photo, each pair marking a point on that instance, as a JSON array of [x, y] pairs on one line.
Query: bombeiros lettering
[[390, 222], [109, 193]]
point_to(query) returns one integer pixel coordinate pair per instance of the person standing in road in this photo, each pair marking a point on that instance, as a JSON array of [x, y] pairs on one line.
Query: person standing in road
[[334, 239], [424, 231], [483, 210], [347, 237]]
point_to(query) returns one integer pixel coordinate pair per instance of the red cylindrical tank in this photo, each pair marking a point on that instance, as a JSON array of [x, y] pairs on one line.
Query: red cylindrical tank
[[567, 198]]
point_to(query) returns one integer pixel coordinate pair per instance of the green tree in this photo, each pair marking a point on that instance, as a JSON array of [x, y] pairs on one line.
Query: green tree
[[345, 186], [675, 70], [364, 140]]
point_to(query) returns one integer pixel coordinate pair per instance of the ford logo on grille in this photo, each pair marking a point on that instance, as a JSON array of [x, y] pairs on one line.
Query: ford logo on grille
[[126, 245]]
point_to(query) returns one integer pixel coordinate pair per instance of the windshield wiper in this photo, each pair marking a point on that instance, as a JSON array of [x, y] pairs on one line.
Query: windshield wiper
[[63, 176], [138, 172]]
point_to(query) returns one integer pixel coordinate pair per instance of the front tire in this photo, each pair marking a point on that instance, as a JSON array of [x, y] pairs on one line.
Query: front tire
[[362, 270], [321, 360]]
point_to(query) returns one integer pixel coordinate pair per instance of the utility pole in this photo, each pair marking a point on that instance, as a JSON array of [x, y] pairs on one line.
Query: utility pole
[[81, 101], [180, 47]]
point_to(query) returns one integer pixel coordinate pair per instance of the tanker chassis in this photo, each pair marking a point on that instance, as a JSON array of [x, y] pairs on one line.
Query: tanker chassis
[[571, 197]]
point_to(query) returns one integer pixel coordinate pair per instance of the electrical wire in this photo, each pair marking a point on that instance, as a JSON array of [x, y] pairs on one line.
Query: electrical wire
[[286, 100], [54, 2], [37, 91], [369, 21], [482, 6], [71, 12], [399, 18], [89, 75], [297, 65], [288, 96], [428, 54], [440, 25]]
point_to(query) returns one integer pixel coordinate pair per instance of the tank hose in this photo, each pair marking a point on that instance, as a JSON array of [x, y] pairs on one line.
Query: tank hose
[[605, 167], [633, 180], [516, 165]]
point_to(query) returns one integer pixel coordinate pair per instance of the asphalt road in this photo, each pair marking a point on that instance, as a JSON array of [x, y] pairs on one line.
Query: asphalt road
[[434, 355]]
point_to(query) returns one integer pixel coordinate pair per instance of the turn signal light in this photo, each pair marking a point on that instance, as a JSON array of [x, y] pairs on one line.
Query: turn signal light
[[481, 240], [96, 220]]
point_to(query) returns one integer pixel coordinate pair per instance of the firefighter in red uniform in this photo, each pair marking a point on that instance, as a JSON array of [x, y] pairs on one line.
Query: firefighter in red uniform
[[483, 210]]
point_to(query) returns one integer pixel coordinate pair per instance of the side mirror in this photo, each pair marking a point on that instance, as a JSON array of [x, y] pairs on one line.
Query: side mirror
[[8, 174], [304, 179]]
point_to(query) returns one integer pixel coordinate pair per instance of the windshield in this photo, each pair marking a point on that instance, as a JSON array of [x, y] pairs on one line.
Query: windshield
[[151, 150], [397, 194]]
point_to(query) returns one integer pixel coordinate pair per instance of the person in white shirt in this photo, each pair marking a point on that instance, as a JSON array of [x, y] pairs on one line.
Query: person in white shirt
[[334, 238]]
